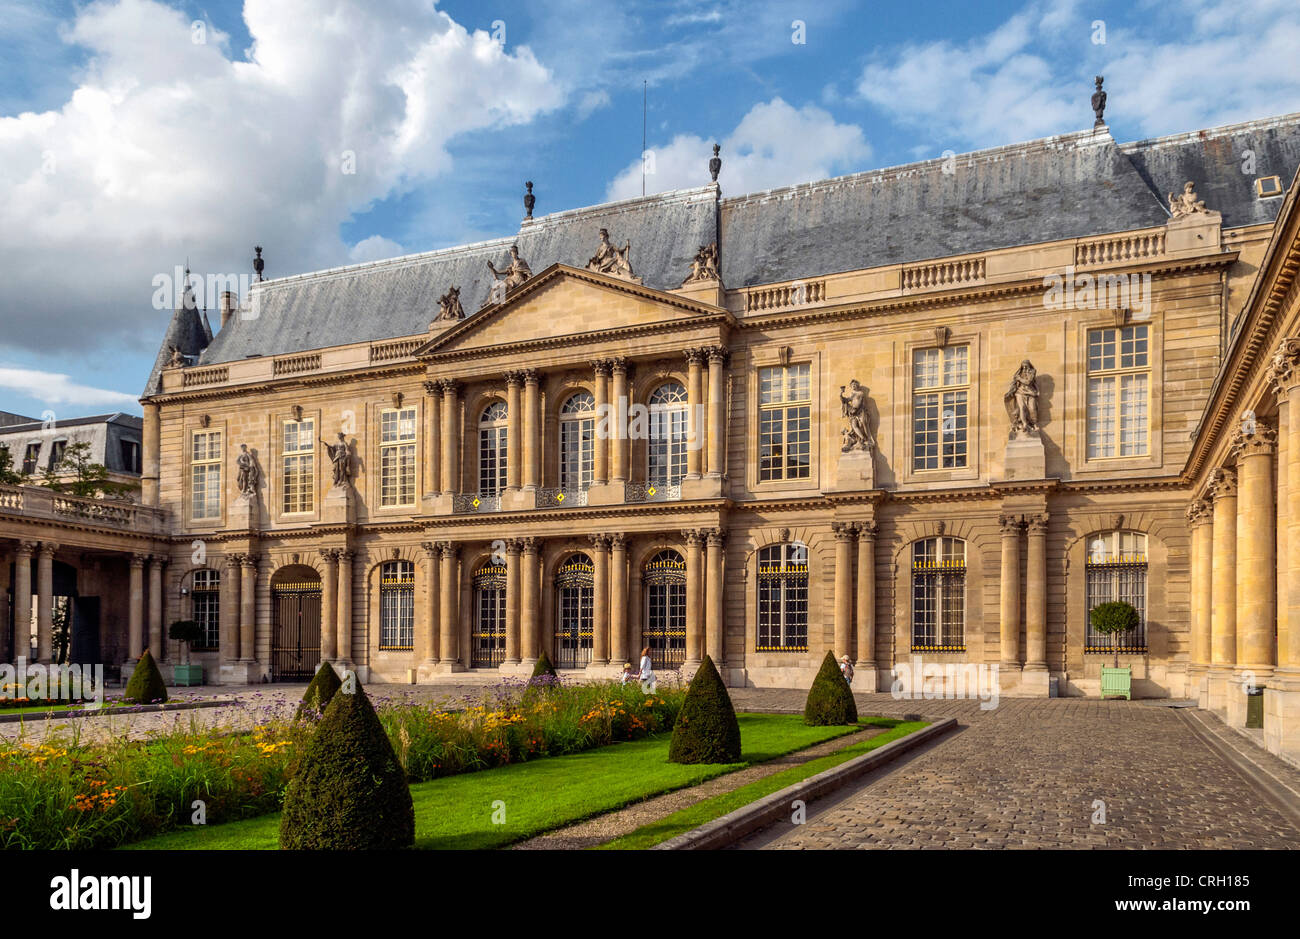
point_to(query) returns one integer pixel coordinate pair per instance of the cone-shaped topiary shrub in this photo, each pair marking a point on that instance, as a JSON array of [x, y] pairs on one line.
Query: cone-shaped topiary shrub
[[830, 700], [350, 792], [706, 730], [146, 684], [319, 693], [543, 673]]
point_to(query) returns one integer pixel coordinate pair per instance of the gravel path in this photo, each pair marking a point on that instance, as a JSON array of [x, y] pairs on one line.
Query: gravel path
[[614, 824]]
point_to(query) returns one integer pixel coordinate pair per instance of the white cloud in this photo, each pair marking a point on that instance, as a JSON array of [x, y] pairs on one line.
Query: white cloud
[[774, 145], [592, 101], [169, 148], [54, 388], [375, 248], [1032, 75]]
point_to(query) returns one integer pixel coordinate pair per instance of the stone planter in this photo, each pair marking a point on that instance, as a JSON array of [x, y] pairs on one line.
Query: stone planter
[[1117, 683]]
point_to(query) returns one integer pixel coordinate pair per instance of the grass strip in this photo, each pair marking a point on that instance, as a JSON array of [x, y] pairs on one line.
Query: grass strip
[[497, 807], [701, 813]]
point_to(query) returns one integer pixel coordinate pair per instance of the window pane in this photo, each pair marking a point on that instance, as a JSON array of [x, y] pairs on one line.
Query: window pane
[[1101, 417], [1133, 415]]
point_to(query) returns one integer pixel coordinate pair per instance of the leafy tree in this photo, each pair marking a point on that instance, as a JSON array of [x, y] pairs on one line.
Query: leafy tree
[[77, 474], [1114, 619], [187, 631], [9, 476]]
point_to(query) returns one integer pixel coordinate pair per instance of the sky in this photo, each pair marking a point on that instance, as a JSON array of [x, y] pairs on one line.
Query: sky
[[141, 135]]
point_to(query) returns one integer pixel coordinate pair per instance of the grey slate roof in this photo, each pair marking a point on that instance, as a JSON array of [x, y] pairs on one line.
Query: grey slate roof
[[188, 331], [1069, 186]]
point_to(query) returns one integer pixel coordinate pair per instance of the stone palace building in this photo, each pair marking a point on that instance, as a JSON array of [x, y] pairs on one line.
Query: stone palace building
[[935, 412]]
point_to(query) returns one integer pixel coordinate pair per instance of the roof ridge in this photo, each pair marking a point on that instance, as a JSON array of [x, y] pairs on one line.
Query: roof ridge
[[384, 263], [672, 196], [1223, 130]]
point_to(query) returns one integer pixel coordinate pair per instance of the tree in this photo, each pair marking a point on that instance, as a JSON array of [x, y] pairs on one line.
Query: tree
[[544, 675], [146, 685], [830, 700], [8, 476], [324, 684], [706, 729], [1114, 619], [77, 474], [187, 631], [350, 792]]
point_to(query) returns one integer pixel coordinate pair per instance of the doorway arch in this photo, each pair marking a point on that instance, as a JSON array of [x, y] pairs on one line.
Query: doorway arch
[[295, 623]]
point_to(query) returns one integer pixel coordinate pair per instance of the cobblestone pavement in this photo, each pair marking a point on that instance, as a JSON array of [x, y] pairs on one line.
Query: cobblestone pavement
[[1028, 774]]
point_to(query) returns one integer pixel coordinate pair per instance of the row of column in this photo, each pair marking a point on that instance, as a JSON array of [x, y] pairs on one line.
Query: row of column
[[1015, 529], [443, 432], [438, 631], [22, 598], [335, 605], [859, 618]]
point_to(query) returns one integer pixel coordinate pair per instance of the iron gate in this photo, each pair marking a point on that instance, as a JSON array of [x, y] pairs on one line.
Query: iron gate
[[487, 647], [574, 626], [295, 643], [664, 581]]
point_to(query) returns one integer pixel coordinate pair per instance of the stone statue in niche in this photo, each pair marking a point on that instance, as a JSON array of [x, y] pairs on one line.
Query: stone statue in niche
[[515, 273], [341, 459], [705, 265], [449, 307], [853, 407], [1185, 203], [248, 475], [609, 259], [1021, 401]]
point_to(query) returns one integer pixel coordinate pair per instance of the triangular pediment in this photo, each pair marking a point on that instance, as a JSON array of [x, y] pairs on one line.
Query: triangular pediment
[[563, 302]]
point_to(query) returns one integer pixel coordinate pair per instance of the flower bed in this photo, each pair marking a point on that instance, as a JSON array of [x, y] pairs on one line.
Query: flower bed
[[55, 795]]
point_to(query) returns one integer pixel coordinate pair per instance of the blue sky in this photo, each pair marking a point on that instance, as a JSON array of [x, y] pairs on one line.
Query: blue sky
[[135, 134]]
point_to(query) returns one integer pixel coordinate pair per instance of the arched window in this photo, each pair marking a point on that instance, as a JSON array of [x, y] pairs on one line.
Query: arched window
[[783, 598], [574, 605], [397, 605], [488, 642], [492, 453], [664, 582], [667, 444], [1117, 570], [205, 607], [577, 441], [939, 595]]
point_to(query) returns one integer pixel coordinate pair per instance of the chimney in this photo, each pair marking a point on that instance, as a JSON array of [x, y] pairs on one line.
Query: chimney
[[227, 306]]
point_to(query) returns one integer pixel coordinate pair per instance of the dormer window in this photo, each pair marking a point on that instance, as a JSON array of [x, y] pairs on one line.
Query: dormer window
[[1266, 187]]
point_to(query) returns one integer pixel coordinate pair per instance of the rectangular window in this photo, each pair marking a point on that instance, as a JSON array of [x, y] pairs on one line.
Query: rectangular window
[[577, 453], [57, 452], [299, 465], [939, 595], [130, 456], [206, 604], [205, 474], [1119, 378], [785, 422], [940, 415], [30, 457], [783, 599], [397, 457], [397, 606]]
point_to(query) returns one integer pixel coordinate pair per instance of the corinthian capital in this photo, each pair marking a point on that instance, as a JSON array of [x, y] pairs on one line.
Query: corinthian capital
[[1254, 437], [1223, 483]]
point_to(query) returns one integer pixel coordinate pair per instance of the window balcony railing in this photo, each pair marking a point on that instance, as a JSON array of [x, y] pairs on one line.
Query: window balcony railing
[[652, 492], [469, 503], [554, 498]]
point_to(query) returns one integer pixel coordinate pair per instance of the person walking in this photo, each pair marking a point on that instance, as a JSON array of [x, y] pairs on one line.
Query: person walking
[[647, 672]]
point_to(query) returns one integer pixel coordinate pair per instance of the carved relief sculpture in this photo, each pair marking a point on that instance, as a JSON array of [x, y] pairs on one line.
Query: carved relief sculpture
[[449, 307], [705, 265], [1186, 203], [340, 458], [853, 406], [248, 475], [1021, 401], [609, 259]]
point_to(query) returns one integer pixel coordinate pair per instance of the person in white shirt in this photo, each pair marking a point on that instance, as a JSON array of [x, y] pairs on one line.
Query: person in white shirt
[[846, 668], [647, 672]]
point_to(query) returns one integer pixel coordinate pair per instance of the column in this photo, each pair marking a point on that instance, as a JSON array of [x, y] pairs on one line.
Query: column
[[344, 630], [843, 586], [1199, 516], [618, 632], [156, 603], [23, 599], [135, 610], [600, 599], [329, 592], [694, 407], [1280, 604], [694, 638], [265, 618], [149, 455], [1036, 594], [1286, 377], [1256, 549], [618, 441], [432, 421], [514, 431], [513, 548], [1009, 638], [532, 429], [1223, 618], [426, 627], [228, 611], [451, 481], [716, 626], [45, 602], [447, 615], [717, 432], [601, 469], [248, 608], [530, 600], [867, 601]]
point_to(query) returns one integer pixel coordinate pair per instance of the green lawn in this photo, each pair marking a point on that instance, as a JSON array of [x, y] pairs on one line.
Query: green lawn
[[538, 796], [703, 812]]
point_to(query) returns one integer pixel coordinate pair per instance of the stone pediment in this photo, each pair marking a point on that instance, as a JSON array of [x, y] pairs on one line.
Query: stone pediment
[[563, 301]]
